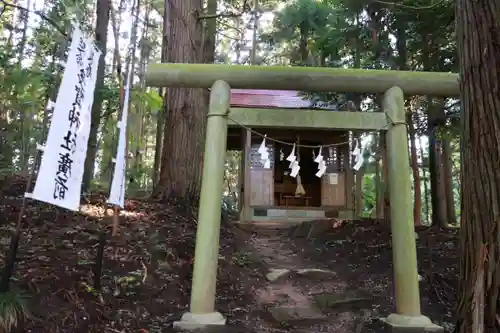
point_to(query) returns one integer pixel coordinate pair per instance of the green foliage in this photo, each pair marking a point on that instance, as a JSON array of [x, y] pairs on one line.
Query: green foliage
[[151, 100], [13, 311], [31, 55], [369, 195]]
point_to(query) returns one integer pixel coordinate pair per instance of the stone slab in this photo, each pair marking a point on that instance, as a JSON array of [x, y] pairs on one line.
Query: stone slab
[[195, 321], [396, 323], [315, 273], [276, 273], [295, 315], [343, 301]]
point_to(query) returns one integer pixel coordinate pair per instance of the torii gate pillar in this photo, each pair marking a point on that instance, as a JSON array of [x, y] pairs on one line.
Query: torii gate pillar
[[404, 254], [202, 309]]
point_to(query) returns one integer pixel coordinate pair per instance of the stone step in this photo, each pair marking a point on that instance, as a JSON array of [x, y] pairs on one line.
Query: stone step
[[296, 315], [278, 274]]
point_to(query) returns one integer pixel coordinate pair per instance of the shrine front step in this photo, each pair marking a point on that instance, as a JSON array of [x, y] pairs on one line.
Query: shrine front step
[[284, 215]]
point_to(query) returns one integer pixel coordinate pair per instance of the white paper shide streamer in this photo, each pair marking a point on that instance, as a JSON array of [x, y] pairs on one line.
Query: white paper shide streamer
[[318, 158], [358, 156], [264, 154], [294, 164], [117, 193], [60, 175], [321, 163]]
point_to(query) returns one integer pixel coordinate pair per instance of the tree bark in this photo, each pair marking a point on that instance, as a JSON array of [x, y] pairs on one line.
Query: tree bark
[[160, 120], [303, 43], [101, 32], [255, 45], [401, 38], [161, 115], [385, 170], [448, 182], [438, 201], [210, 33], [140, 142], [417, 193], [478, 39], [441, 194], [25, 117], [355, 179], [116, 23], [379, 201], [183, 141], [359, 199], [424, 177], [6, 147]]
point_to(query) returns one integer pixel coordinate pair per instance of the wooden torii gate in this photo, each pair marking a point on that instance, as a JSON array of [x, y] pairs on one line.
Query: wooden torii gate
[[394, 84]]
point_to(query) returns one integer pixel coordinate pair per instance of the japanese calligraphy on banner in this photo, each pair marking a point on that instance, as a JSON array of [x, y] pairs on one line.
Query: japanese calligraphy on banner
[[60, 175], [117, 193]]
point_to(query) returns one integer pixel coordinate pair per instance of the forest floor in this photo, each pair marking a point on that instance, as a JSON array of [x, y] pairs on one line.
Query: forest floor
[[335, 277]]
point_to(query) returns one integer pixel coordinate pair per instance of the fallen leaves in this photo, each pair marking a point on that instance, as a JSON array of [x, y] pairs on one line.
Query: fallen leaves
[[147, 268]]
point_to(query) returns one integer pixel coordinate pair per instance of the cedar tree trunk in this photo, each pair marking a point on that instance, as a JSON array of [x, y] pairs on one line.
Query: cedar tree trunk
[[478, 40], [184, 134]]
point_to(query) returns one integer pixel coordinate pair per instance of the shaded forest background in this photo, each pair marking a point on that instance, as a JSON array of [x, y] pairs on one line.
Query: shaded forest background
[[342, 33]]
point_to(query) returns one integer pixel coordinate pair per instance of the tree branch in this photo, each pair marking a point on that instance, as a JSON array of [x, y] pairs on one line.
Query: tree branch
[[228, 37], [36, 12], [245, 8], [226, 15], [227, 25]]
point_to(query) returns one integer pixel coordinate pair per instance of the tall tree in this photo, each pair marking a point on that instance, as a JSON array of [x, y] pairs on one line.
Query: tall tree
[[438, 202], [101, 32], [183, 141], [160, 125], [401, 38], [210, 32], [448, 181], [478, 39]]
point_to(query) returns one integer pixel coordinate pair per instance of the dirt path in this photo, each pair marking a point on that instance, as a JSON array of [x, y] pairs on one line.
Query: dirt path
[[58, 249], [300, 295]]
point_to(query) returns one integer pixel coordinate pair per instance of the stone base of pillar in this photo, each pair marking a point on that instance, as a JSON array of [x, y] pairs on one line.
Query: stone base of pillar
[[192, 321], [396, 323]]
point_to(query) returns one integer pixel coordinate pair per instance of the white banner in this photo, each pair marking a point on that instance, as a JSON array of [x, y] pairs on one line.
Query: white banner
[[60, 176], [117, 193]]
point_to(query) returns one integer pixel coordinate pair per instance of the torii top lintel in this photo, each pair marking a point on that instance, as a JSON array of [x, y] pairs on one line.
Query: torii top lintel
[[311, 79]]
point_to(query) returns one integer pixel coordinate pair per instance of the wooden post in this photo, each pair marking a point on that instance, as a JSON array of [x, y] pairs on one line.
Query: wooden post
[[349, 179], [404, 251], [246, 212], [359, 203], [241, 173], [202, 309]]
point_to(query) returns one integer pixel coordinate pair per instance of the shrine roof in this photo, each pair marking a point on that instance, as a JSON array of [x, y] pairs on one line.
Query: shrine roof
[[249, 98]]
